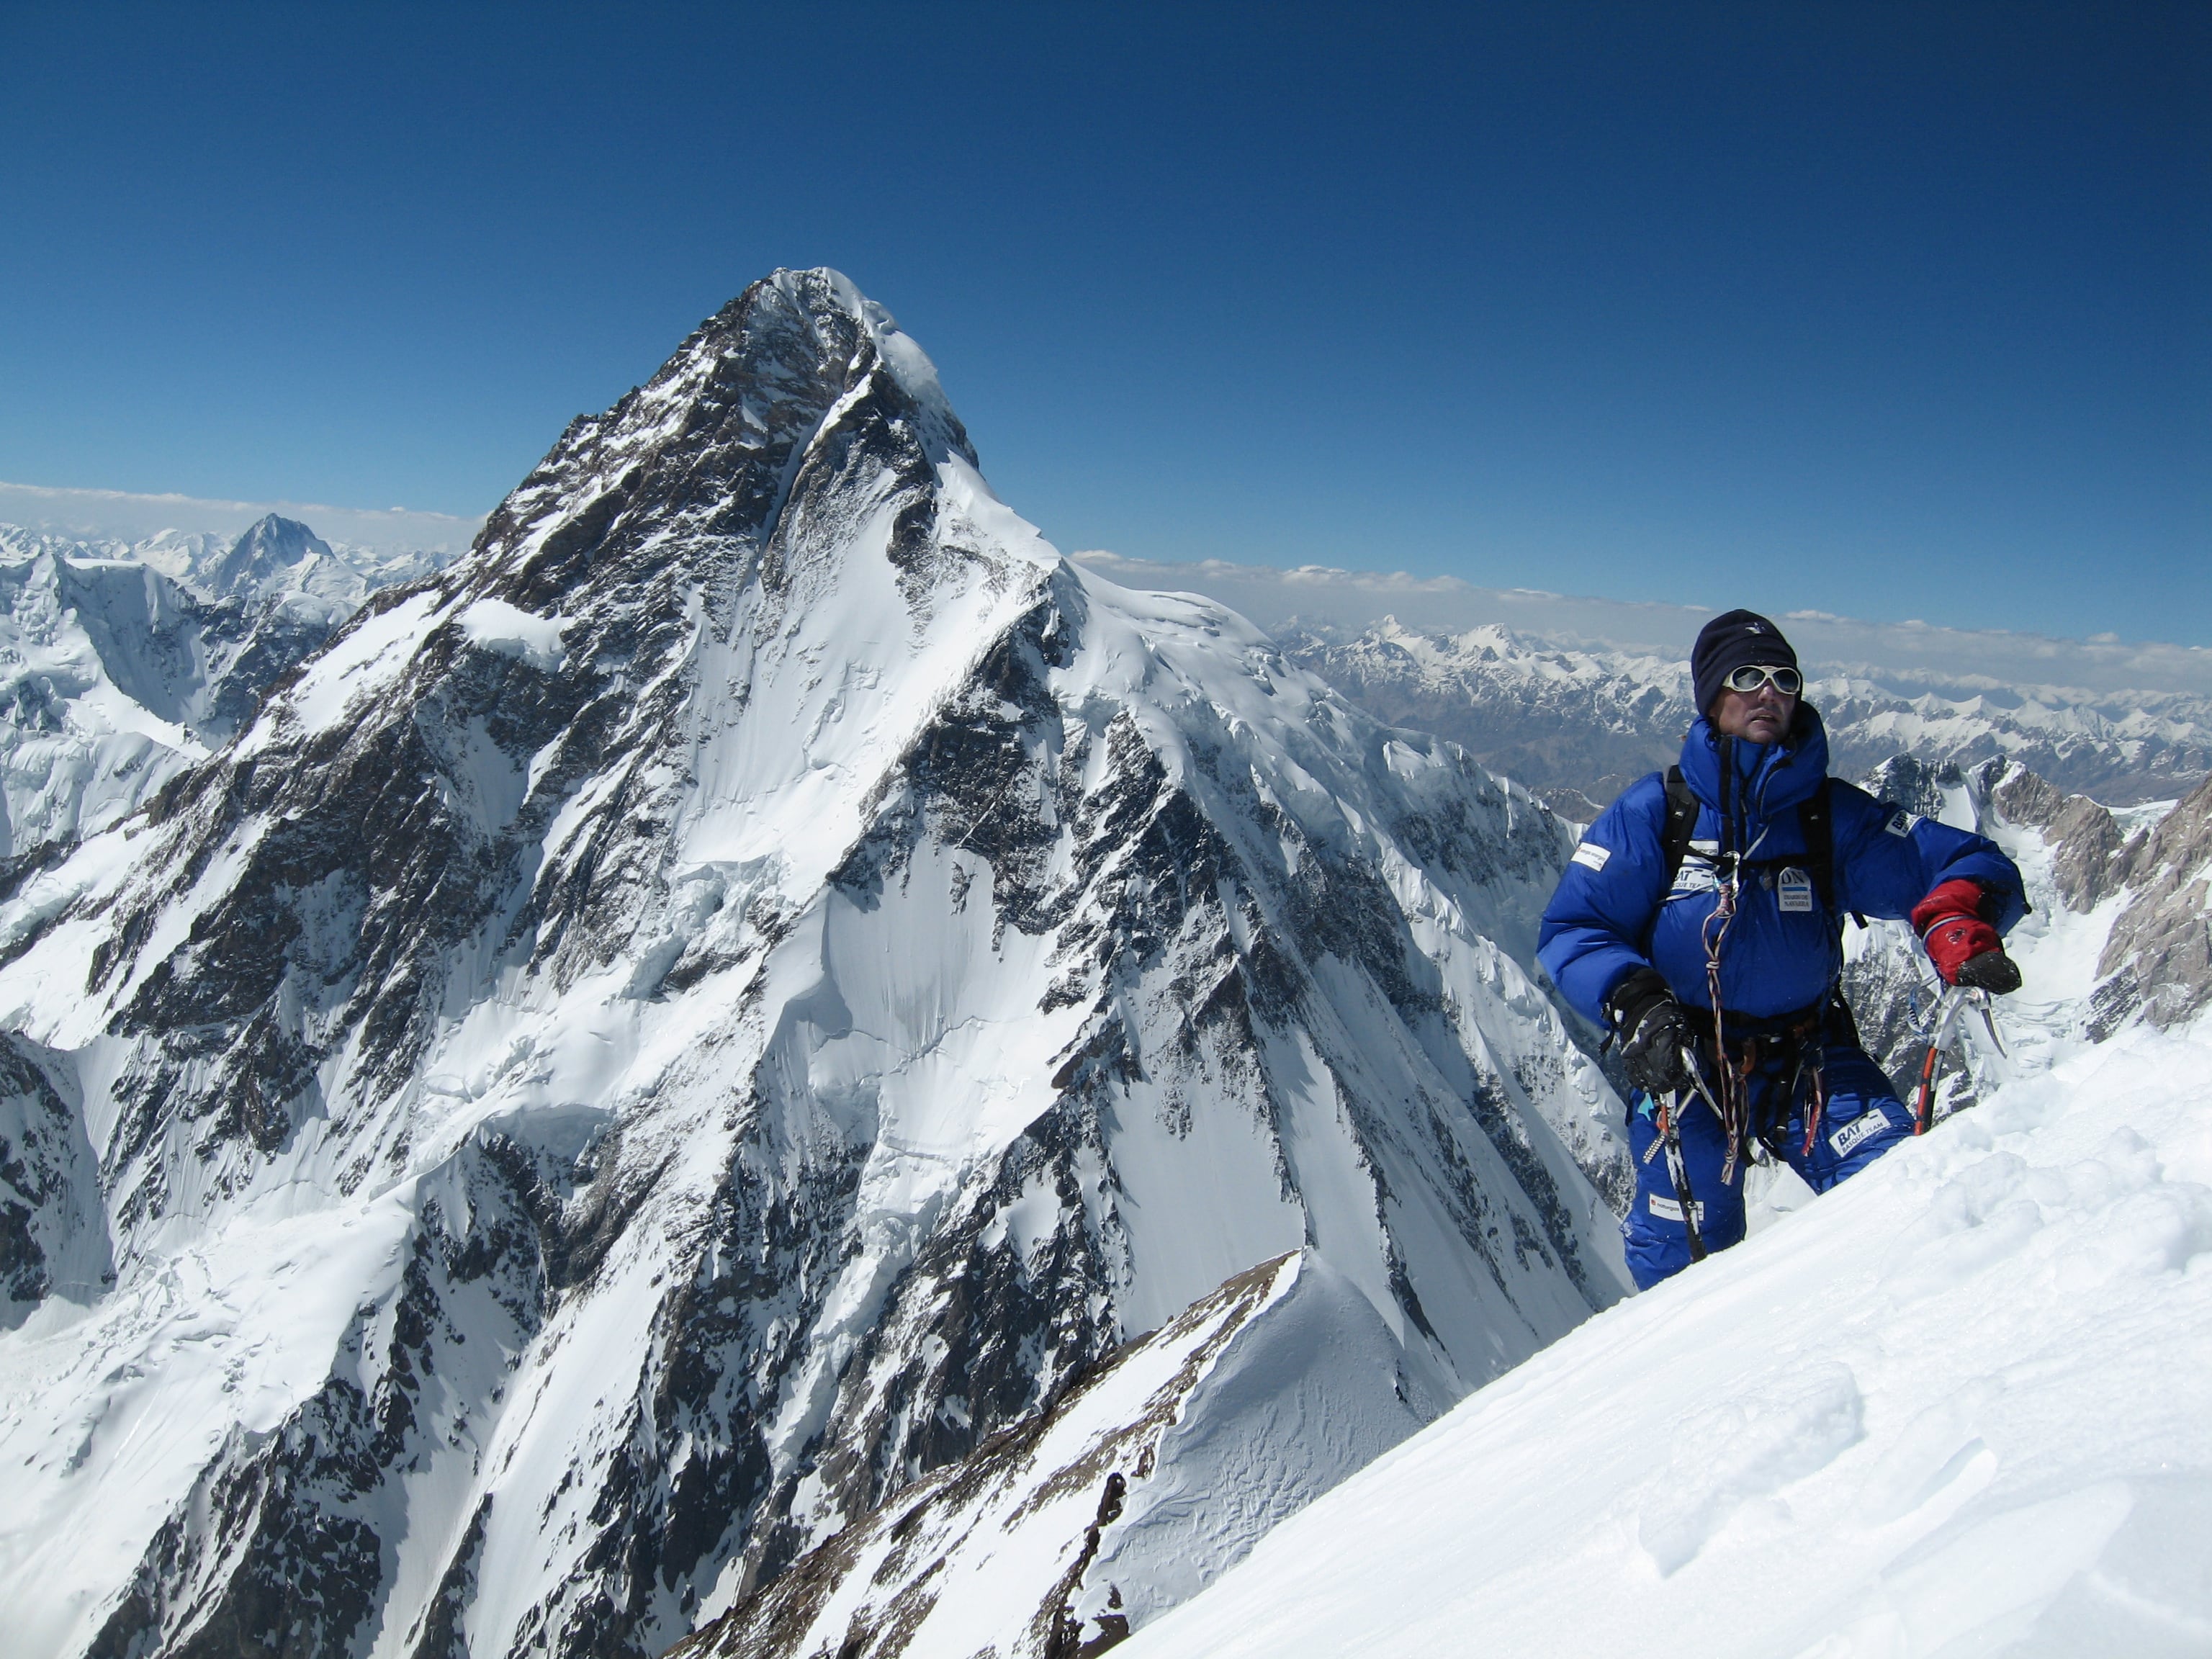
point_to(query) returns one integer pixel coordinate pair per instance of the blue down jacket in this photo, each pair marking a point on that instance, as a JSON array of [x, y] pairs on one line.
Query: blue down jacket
[[1614, 911]]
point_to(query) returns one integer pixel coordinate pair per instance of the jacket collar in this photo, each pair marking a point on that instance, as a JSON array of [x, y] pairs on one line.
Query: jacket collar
[[1770, 776]]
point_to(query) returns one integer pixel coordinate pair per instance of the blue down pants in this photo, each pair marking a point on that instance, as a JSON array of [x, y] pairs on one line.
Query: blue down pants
[[1862, 1119]]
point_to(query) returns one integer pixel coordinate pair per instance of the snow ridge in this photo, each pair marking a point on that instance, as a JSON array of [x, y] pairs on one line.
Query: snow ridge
[[1943, 1412]]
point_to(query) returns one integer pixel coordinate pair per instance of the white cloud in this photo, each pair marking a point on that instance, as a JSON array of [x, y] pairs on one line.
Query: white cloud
[[1352, 599], [102, 513]]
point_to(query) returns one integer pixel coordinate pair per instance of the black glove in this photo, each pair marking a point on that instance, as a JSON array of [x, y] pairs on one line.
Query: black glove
[[1653, 1031], [1992, 970]]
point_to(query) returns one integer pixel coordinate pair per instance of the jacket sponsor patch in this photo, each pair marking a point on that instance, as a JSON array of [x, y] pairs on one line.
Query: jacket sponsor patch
[[1901, 822], [1668, 1210], [1591, 856], [1696, 874], [1867, 1124], [1794, 889]]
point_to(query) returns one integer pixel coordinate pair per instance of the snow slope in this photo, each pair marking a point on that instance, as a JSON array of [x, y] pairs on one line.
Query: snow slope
[[1957, 1406]]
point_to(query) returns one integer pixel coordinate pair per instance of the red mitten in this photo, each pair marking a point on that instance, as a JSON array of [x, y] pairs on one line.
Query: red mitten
[[1951, 928]]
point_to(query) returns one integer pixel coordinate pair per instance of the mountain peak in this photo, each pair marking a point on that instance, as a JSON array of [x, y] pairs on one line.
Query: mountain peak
[[821, 290], [800, 378], [269, 545], [783, 975]]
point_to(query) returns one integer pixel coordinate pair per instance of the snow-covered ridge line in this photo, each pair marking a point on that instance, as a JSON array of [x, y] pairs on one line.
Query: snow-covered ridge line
[[1149, 1478]]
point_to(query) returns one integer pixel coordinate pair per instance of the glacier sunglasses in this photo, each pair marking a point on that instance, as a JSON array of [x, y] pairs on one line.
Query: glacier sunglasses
[[1749, 678]]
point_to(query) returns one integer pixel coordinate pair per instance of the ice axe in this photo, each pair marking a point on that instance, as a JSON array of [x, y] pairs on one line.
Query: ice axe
[[1954, 1002], [1670, 1141], [1678, 1170]]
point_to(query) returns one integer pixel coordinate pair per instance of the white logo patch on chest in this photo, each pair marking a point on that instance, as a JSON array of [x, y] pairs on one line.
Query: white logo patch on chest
[[1696, 874], [1794, 889]]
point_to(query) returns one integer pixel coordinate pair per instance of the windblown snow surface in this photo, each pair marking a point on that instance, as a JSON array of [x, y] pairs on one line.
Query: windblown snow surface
[[1958, 1407]]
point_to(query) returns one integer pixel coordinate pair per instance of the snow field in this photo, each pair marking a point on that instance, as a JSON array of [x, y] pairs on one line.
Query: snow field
[[1956, 1406], [130, 1398]]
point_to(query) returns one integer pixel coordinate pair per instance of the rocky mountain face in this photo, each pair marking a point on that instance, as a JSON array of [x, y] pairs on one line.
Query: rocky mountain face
[[746, 991], [1578, 725], [2149, 881], [2117, 934]]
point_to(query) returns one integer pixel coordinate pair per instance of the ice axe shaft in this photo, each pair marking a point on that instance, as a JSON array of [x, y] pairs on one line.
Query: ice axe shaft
[[1923, 1102], [1670, 1136]]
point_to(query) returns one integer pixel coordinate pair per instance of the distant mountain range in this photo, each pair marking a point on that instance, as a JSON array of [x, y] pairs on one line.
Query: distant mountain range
[[1578, 723], [121, 663], [274, 558]]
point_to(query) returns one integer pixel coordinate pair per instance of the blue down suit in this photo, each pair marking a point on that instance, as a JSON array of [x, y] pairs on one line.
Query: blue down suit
[[1814, 1096]]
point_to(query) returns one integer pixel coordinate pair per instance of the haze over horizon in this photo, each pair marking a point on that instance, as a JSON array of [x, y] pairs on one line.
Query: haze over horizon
[[1872, 311], [1277, 597]]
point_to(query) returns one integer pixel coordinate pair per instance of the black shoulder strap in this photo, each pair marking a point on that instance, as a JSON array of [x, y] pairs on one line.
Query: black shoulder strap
[[1818, 829], [1682, 823]]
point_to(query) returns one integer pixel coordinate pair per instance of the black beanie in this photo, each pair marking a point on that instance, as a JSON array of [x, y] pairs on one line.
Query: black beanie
[[1730, 642]]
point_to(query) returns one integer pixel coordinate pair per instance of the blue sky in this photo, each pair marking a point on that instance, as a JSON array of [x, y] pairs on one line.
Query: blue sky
[[1896, 312]]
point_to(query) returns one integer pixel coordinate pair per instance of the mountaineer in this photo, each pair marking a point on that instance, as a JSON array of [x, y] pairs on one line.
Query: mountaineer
[[1700, 921]]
